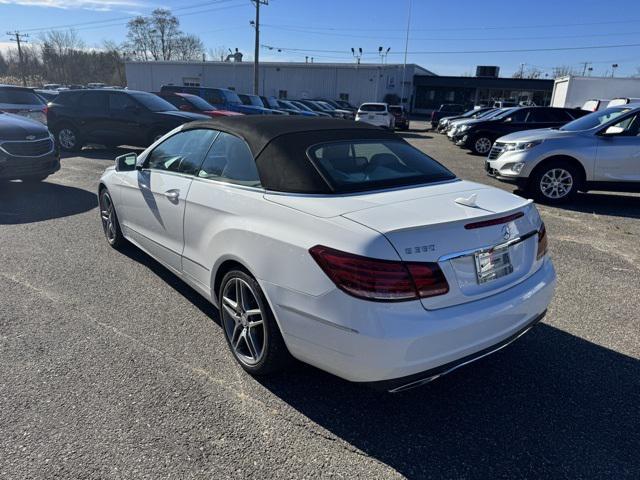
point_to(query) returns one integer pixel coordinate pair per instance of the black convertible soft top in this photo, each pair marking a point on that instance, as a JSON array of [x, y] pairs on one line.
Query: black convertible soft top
[[279, 145]]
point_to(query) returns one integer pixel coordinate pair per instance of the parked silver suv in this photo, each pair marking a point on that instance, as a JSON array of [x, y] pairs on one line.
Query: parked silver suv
[[600, 151]]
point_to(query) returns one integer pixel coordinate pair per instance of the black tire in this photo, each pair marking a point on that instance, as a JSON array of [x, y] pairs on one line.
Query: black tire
[[109, 220], [274, 355], [481, 145], [541, 184], [68, 138], [34, 178]]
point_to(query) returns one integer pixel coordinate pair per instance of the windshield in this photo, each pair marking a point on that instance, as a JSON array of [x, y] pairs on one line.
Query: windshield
[[372, 164], [324, 106], [199, 103], [153, 102], [255, 100], [594, 119], [302, 106], [286, 104], [501, 113], [232, 97], [372, 107], [19, 97]]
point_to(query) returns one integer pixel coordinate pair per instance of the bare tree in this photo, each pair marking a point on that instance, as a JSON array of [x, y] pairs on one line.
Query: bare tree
[[155, 37], [531, 72], [188, 47], [58, 49], [563, 71], [218, 53]]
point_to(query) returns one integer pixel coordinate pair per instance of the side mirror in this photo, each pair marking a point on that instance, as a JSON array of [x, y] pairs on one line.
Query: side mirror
[[612, 131], [126, 162]]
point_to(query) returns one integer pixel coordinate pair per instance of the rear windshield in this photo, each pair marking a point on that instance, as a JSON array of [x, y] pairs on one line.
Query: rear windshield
[[594, 119], [358, 165], [372, 108], [19, 97], [153, 102], [199, 103]]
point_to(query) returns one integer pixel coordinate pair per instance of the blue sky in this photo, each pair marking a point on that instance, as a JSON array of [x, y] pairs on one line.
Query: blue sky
[[327, 29]]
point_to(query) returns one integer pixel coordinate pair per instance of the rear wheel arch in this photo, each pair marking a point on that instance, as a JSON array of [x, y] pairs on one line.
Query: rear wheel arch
[[224, 268]]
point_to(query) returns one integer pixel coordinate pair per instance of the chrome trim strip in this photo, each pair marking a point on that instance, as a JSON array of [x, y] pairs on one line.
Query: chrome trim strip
[[509, 243]]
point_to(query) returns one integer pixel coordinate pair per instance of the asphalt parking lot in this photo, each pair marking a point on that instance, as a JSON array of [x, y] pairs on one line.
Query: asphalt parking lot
[[111, 367]]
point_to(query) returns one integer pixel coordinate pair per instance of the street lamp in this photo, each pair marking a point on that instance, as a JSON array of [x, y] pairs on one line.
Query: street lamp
[[357, 54], [613, 69], [383, 54]]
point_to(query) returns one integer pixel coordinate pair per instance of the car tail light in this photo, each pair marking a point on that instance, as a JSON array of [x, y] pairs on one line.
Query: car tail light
[[380, 280], [543, 242]]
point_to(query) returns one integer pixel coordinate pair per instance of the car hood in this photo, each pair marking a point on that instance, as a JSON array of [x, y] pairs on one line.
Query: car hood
[[538, 134], [185, 115], [15, 127]]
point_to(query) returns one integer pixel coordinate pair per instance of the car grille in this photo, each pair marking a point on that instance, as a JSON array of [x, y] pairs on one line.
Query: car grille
[[496, 150], [34, 148]]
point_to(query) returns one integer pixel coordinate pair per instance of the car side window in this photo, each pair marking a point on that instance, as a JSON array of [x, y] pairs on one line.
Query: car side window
[[541, 115], [519, 116], [630, 126], [182, 152], [119, 101], [230, 160]]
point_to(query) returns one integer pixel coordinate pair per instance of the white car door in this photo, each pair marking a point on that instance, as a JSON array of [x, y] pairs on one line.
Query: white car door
[[154, 197], [618, 155], [227, 185]]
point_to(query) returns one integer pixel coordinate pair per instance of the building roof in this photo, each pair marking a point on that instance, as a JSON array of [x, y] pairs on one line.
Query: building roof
[[417, 68]]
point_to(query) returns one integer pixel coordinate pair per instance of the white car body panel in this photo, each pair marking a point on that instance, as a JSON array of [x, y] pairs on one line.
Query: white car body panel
[[270, 234]]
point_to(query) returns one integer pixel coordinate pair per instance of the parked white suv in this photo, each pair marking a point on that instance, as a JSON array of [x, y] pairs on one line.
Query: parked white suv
[[600, 151], [376, 114]]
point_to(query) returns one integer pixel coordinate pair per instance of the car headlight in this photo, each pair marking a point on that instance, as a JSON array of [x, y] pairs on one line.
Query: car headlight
[[521, 146], [464, 128]]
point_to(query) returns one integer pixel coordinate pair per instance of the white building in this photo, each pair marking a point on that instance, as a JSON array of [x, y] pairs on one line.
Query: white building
[[352, 82], [573, 91]]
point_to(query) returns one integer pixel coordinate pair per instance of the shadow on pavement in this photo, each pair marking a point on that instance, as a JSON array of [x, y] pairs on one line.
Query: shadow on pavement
[[413, 134], [35, 202], [550, 406]]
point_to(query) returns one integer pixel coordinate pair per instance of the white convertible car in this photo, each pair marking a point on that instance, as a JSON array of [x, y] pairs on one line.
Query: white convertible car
[[336, 243]]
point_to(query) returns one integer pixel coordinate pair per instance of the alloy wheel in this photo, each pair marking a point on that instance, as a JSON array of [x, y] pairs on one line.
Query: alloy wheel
[[556, 183], [483, 145], [243, 321], [107, 215], [67, 138]]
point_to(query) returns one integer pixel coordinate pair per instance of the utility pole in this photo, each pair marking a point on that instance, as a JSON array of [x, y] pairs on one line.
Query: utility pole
[[585, 65], [522, 70], [256, 53], [19, 37], [406, 47]]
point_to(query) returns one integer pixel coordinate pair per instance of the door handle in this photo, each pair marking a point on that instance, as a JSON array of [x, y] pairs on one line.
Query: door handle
[[172, 194]]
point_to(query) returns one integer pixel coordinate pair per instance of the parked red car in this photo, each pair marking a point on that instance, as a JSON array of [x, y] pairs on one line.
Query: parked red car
[[193, 103]]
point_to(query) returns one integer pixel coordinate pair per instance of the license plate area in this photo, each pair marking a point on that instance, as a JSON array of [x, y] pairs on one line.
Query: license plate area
[[492, 264]]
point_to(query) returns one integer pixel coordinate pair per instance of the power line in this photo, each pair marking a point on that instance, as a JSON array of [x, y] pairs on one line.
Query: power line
[[462, 52]]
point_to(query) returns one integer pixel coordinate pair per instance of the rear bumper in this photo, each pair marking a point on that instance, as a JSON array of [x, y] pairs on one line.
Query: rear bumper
[[369, 342], [412, 381], [13, 168]]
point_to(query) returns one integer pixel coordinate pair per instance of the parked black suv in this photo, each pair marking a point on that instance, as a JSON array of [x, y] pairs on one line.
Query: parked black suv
[[112, 118], [27, 150], [480, 135], [446, 110]]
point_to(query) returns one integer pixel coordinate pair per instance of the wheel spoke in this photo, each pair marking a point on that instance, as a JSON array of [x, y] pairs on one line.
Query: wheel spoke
[[231, 312], [230, 303], [253, 350], [242, 335], [254, 311], [255, 324]]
